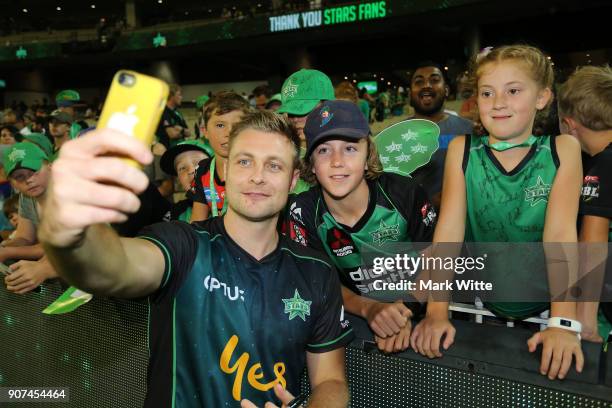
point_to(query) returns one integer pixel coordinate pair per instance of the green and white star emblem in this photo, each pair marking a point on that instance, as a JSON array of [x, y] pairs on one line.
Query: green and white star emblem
[[296, 306], [385, 233], [159, 41], [537, 193], [290, 90]]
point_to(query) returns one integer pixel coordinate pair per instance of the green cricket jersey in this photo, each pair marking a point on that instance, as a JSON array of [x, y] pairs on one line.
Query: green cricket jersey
[[398, 211], [224, 326], [510, 206]]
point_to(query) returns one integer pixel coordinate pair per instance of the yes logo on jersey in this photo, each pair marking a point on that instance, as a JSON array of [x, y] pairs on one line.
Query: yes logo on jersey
[[590, 188], [537, 193]]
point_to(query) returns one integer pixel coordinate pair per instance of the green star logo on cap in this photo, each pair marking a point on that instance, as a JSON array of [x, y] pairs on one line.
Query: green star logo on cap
[[296, 306], [385, 233], [290, 90], [537, 193], [17, 155]]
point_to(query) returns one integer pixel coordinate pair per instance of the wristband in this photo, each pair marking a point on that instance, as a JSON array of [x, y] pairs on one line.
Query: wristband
[[567, 324]]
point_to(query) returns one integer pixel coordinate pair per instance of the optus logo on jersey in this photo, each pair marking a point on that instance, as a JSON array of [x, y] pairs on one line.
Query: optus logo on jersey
[[232, 293]]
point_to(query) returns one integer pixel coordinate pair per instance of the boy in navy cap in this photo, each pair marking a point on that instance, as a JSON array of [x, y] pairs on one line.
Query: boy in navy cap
[[353, 206]]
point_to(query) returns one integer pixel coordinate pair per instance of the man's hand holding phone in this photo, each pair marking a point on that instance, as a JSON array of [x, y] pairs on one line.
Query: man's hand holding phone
[[92, 184]]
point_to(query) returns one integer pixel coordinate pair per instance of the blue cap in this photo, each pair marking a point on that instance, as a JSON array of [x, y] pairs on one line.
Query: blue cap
[[335, 119]]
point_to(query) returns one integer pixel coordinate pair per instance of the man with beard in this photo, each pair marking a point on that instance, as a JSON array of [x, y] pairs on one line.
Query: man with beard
[[428, 92]]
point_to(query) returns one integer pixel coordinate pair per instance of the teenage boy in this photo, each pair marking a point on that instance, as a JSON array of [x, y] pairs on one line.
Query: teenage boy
[[221, 113], [585, 111]]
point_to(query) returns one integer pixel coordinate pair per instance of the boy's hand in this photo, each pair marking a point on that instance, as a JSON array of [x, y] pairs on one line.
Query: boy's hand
[[387, 319], [427, 335], [28, 275], [558, 348], [397, 342], [91, 184]]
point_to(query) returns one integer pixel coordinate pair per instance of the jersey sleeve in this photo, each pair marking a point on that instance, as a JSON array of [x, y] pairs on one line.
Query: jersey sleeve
[[301, 221], [596, 197], [331, 330], [178, 243], [196, 193], [414, 205]]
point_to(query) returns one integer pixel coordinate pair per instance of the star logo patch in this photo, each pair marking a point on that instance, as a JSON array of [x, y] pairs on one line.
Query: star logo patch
[[385, 233], [297, 307], [537, 193]]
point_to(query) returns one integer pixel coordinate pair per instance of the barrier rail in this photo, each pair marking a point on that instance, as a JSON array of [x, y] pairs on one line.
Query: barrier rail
[[100, 352]]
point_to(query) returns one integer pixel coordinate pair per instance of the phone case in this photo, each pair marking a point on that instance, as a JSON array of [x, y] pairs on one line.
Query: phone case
[[134, 105]]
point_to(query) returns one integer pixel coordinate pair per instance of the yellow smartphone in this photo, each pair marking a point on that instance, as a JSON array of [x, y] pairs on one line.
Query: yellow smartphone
[[134, 105]]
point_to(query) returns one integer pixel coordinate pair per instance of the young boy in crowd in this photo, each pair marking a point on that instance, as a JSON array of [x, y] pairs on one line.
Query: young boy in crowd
[[182, 161], [585, 111], [26, 166], [221, 112], [10, 208]]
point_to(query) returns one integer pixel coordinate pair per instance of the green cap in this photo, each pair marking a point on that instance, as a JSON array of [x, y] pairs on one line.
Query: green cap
[[303, 90], [23, 156], [201, 100], [67, 97], [41, 141], [167, 160]]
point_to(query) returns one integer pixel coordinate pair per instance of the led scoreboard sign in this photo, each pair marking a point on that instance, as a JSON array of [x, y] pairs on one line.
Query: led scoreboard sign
[[329, 16]]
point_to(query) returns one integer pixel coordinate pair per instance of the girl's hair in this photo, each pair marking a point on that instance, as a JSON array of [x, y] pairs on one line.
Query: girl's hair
[[536, 64], [374, 170]]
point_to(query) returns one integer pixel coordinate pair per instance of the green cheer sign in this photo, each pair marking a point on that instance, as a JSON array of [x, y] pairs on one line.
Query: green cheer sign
[[407, 145]]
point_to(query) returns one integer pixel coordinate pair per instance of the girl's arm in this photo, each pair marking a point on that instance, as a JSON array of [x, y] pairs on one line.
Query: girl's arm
[[560, 345], [427, 334]]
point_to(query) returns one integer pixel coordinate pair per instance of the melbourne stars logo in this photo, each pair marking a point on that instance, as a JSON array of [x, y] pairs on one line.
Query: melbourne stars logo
[[290, 90], [296, 306], [537, 193], [385, 233]]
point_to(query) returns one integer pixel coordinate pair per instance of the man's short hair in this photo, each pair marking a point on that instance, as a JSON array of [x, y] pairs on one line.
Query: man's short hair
[[587, 97], [174, 88], [269, 122], [225, 102], [429, 63]]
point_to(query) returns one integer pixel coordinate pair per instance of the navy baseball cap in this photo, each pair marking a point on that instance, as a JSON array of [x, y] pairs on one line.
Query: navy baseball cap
[[335, 119]]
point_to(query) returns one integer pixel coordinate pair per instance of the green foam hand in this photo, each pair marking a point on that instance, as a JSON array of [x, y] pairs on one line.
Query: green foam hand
[[407, 145]]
